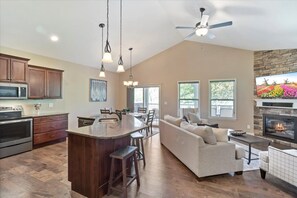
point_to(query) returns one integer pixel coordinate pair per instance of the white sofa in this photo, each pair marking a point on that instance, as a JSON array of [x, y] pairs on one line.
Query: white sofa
[[201, 158], [279, 163]]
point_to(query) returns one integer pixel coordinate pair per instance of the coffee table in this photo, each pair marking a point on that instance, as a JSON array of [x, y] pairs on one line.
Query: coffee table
[[249, 139]]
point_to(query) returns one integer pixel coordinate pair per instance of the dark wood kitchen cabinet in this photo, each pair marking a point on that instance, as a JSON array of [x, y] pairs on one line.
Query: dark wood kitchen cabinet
[[50, 128], [44, 83], [36, 82], [54, 83], [13, 68]]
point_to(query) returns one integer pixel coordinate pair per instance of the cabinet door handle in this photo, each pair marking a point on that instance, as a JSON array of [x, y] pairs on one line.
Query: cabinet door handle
[[11, 74], [8, 75]]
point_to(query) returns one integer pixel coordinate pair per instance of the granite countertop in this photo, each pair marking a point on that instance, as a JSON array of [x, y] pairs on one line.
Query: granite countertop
[[93, 117], [99, 130]]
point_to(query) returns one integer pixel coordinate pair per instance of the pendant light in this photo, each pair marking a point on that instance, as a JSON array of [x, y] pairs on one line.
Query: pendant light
[[107, 50], [130, 83], [102, 69], [120, 62]]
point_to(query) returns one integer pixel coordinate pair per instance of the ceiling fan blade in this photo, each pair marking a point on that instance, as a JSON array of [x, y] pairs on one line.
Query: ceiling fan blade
[[210, 35], [184, 27], [204, 20], [190, 35], [220, 25]]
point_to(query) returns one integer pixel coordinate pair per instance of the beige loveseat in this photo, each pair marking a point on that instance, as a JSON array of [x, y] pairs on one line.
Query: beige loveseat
[[201, 158]]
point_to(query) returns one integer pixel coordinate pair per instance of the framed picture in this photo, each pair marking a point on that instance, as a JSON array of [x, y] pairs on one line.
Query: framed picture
[[98, 90]]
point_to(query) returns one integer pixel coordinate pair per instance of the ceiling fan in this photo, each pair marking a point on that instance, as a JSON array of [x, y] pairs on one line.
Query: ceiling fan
[[201, 28]]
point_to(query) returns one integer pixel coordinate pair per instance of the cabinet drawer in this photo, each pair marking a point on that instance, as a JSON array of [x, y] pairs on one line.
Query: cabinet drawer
[[50, 126], [49, 136], [51, 118]]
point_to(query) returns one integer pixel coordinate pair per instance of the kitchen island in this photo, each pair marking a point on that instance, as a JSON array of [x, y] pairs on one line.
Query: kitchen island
[[88, 153]]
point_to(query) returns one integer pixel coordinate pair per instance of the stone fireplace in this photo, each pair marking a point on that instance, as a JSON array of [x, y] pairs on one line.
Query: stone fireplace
[[273, 62], [282, 127]]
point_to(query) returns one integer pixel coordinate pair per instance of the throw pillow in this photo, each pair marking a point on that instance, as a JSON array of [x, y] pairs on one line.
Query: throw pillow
[[221, 134], [173, 120], [194, 118], [210, 125], [187, 126], [206, 133], [185, 118]]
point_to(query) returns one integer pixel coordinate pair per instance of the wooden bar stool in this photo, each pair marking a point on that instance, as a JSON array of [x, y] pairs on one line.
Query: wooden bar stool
[[137, 140], [123, 154]]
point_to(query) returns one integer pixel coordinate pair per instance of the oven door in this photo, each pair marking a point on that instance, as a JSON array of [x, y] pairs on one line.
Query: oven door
[[14, 132]]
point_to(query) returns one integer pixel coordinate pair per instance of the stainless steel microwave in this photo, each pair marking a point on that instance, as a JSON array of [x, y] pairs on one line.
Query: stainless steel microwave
[[13, 91]]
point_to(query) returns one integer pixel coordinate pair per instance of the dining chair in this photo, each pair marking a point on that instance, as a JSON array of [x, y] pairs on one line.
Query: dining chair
[[149, 121], [142, 110], [104, 111]]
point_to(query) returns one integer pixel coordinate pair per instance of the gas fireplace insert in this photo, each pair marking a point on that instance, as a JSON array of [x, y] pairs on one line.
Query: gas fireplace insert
[[281, 127]]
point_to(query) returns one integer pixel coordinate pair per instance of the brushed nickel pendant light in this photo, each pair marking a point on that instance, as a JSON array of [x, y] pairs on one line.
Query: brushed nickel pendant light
[[102, 69], [120, 62], [107, 50]]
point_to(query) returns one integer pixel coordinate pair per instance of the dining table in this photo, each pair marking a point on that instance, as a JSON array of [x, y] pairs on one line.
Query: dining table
[[141, 116]]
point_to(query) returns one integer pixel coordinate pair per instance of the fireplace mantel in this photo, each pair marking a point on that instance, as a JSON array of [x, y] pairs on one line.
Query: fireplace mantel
[[277, 103]]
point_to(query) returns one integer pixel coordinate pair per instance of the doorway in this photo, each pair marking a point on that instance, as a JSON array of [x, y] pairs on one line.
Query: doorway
[[145, 96]]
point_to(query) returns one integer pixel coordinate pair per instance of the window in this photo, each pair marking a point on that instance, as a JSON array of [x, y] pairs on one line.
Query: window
[[188, 94], [222, 98]]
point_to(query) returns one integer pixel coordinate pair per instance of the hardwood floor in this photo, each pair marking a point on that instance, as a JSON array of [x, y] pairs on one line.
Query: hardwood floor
[[43, 173]]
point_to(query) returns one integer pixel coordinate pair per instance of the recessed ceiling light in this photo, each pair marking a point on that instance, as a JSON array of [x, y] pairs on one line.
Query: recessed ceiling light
[[54, 38]]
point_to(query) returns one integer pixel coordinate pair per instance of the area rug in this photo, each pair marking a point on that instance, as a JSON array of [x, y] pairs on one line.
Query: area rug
[[155, 131], [254, 165]]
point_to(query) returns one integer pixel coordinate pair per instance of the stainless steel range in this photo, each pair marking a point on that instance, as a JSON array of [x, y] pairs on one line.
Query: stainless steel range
[[15, 132]]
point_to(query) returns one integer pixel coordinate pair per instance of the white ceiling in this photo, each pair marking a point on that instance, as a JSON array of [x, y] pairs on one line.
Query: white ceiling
[[148, 26]]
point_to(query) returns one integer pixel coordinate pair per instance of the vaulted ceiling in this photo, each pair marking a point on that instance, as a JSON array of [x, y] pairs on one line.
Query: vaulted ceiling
[[148, 26]]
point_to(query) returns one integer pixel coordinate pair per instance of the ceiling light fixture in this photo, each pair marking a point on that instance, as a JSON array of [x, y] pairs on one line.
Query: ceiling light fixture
[[130, 83], [54, 38], [102, 69], [120, 62], [201, 31], [107, 50]]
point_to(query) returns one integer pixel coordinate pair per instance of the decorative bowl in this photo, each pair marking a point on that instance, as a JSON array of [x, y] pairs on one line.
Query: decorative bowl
[[237, 132]]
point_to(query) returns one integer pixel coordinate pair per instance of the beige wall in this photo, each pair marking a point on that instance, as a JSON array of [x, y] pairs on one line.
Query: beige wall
[[183, 62], [196, 61], [75, 88]]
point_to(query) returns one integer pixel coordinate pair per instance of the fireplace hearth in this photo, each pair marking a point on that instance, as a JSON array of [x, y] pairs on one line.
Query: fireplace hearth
[[282, 127]]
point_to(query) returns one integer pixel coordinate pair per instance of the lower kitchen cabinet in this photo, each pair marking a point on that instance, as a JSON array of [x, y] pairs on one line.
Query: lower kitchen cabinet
[[49, 128]]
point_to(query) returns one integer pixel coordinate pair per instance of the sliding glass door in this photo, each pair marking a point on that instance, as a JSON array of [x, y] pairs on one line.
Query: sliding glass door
[[148, 96]]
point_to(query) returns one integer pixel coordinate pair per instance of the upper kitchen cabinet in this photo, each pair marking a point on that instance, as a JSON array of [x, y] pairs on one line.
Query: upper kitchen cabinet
[[13, 68], [36, 82], [54, 83], [44, 83]]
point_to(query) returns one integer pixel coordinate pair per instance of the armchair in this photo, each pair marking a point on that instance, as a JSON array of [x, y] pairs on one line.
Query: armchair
[[279, 163]]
